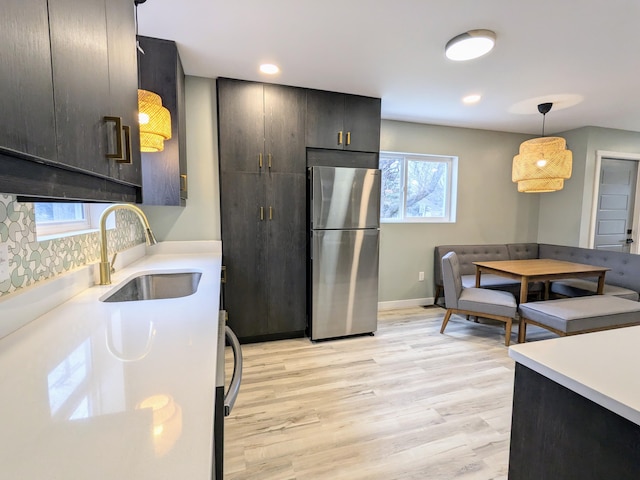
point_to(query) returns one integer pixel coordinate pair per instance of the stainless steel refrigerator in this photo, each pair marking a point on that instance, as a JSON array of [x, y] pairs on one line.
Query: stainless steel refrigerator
[[344, 228]]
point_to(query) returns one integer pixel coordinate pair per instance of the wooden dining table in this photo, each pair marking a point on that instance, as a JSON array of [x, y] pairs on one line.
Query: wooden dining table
[[539, 270]]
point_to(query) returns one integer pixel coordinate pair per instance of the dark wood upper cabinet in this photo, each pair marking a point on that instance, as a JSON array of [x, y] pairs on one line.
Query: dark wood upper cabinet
[[262, 125], [284, 119], [342, 122], [240, 126], [26, 89], [123, 81], [81, 82], [164, 174], [67, 65]]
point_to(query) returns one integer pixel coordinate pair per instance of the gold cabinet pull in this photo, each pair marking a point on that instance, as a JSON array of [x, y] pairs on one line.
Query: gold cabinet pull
[[183, 183], [126, 129], [269, 160], [118, 122], [340, 137], [223, 277], [270, 213], [260, 160], [261, 213], [348, 138]]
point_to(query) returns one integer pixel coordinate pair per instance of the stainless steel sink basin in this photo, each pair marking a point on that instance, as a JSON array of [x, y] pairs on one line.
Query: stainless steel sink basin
[[155, 286]]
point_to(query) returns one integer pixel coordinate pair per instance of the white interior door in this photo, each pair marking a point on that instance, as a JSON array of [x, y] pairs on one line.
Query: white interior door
[[616, 199]]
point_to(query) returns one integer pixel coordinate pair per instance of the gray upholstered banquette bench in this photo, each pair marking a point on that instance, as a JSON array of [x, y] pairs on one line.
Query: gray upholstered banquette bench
[[467, 254], [623, 280], [570, 316]]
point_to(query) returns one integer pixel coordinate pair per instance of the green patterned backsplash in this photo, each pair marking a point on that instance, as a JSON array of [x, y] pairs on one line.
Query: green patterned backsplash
[[31, 261]]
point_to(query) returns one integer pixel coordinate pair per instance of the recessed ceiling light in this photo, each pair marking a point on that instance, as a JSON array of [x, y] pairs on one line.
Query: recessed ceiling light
[[470, 45], [469, 99], [269, 68]]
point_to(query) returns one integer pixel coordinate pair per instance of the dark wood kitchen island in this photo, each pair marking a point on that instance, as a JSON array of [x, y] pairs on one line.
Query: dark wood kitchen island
[[576, 408]]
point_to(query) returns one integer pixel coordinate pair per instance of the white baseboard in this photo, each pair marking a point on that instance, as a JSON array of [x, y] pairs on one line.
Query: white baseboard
[[413, 302]]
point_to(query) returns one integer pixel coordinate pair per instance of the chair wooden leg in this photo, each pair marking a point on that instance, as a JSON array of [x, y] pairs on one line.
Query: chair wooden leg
[[446, 320], [522, 331], [507, 333]]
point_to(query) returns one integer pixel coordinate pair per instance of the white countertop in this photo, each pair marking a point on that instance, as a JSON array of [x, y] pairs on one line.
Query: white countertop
[[602, 366], [75, 383]]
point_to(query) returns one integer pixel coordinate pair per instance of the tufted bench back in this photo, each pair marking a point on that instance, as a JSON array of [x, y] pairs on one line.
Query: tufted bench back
[[625, 267], [467, 254]]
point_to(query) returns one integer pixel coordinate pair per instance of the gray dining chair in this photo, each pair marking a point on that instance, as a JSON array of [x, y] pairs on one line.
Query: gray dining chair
[[479, 302]]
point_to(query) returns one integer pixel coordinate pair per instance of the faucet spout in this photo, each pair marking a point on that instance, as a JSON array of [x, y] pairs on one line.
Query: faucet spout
[[105, 266]]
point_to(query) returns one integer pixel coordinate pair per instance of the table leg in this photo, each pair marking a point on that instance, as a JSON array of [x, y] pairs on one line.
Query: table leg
[[524, 290], [478, 273], [601, 283]]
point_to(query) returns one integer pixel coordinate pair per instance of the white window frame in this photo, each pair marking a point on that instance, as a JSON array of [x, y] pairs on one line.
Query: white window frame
[[450, 189]]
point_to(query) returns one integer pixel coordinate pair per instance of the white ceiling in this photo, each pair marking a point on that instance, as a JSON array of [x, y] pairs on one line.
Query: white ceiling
[[546, 50]]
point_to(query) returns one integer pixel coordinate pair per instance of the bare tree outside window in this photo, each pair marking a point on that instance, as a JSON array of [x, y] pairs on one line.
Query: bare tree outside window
[[417, 187]]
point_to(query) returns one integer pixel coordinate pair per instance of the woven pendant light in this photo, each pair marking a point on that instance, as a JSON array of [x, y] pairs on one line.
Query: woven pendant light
[[544, 163], [155, 122]]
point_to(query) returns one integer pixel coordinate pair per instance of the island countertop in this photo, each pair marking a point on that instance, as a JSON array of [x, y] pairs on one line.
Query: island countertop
[[600, 366], [115, 390]]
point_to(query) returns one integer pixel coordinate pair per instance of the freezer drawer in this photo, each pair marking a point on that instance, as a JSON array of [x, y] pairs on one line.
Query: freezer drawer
[[345, 198], [344, 291]]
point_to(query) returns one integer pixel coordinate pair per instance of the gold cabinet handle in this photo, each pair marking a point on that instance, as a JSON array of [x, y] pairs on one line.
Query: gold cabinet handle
[[260, 160], [183, 183], [340, 137], [269, 160], [348, 138], [261, 213], [270, 213], [126, 129], [118, 122], [223, 277]]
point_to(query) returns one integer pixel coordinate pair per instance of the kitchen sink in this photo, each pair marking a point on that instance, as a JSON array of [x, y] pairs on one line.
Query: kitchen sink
[[154, 286]]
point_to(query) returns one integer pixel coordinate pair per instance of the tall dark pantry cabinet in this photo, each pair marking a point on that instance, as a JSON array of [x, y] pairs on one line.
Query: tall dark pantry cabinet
[[262, 190], [267, 137]]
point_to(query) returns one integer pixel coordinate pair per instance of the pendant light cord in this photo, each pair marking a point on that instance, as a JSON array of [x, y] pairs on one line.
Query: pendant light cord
[[544, 116]]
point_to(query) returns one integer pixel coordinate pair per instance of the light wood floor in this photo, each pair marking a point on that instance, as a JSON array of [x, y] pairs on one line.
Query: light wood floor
[[407, 403]]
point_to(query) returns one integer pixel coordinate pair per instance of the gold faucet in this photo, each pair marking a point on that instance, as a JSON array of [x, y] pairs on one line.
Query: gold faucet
[[105, 266]]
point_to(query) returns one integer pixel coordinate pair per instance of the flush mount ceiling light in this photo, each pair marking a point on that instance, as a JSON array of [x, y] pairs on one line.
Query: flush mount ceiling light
[[269, 68], [471, 99], [543, 163], [154, 119], [470, 45]]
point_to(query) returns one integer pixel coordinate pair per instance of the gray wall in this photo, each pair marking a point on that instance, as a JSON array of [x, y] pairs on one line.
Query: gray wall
[[200, 219], [565, 216], [490, 209], [560, 212]]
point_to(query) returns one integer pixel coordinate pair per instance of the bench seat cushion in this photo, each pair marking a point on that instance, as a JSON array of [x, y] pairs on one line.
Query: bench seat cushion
[[488, 301], [577, 287], [572, 315]]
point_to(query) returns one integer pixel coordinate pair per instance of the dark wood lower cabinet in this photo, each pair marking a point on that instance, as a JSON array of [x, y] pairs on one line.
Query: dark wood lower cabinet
[[264, 252], [286, 276], [557, 434]]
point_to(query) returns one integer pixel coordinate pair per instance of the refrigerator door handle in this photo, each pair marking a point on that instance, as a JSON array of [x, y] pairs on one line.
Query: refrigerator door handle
[[236, 379]]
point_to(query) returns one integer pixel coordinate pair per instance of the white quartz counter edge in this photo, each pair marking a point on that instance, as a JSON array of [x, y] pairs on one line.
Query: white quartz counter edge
[[110, 433], [602, 367]]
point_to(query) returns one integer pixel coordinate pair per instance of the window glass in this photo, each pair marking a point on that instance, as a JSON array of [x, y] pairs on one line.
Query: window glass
[[392, 191], [417, 188], [58, 217]]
